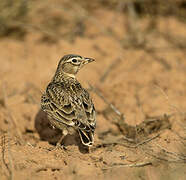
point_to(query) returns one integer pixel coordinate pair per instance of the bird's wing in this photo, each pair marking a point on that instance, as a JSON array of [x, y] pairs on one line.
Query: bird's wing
[[75, 111], [85, 122], [89, 109], [57, 103]]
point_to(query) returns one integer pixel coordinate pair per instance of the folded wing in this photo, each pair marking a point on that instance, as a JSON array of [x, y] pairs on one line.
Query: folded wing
[[77, 111]]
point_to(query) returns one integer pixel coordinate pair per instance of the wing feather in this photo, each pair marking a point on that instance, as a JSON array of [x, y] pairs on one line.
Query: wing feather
[[76, 110]]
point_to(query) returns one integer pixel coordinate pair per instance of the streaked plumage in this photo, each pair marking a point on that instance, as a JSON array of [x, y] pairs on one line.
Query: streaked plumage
[[67, 103]]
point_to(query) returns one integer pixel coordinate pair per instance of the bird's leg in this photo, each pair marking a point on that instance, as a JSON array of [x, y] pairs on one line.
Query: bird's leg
[[58, 145], [60, 141]]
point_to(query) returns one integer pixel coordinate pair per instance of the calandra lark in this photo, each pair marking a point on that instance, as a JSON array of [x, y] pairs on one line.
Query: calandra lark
[[67, 104]]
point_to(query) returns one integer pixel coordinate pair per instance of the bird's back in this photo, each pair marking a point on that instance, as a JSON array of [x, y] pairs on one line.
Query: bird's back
[[67, 102]]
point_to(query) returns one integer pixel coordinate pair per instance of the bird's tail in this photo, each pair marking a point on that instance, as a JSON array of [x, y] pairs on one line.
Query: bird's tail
[[87, 137]]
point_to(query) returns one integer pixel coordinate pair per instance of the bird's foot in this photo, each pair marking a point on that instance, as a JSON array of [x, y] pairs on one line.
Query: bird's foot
[[59, 146]]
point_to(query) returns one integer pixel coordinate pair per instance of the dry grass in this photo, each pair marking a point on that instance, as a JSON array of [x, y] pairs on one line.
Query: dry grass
[[66, 19]]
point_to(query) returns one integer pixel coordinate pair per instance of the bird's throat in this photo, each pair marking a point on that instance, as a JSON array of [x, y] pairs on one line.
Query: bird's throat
[[69, 75]]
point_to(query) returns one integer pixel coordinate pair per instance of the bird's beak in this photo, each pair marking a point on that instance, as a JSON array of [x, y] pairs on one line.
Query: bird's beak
[[88, 60]]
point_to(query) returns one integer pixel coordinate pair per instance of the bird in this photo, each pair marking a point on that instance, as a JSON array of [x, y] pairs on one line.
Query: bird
[[68, 105]]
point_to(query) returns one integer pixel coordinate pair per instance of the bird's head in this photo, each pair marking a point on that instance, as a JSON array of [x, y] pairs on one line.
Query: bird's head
[[70, 64]]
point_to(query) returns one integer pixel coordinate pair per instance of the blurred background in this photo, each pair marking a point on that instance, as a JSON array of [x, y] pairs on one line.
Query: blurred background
[[140, 68]]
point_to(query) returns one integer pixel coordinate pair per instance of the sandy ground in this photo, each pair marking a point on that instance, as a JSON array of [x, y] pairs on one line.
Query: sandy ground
[[142, 84]]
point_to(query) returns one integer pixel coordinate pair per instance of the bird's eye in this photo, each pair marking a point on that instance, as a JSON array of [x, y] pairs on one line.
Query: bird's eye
[[74, 60]]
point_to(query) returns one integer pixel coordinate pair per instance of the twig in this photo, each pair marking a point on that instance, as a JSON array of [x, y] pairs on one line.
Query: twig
[[150, 51], [142, 164], [119, 10], [86, 14], [177, 43], [179, 156], [167, 98], [11, 118], [136, 37], [175, 158], [164, 159], [106, 102], [14, 123], [9, 157], [183, 138], [139, 104], [128, 146], [146, 141], [110, 68]]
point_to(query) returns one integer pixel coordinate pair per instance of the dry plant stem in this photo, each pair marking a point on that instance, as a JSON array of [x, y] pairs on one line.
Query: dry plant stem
[[10, 169], [172, 159], [139, 104], [142, 164], [133, 25], [174, 41], [129, 146], [146, 141], [150, 51], [183, 138], [164, 159], [167, 98], [106, 102], [12, 120], [175, 155], [173, 106], [10, 158], [106, 31], [119, 8], [109, 69]]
